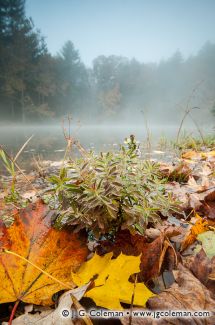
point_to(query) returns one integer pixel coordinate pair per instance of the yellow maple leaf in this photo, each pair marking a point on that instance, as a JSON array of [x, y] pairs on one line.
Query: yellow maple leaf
[[111, 285]]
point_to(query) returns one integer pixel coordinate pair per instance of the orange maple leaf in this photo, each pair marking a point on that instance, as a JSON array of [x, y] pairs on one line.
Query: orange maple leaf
[[55, 252], [199, 227]]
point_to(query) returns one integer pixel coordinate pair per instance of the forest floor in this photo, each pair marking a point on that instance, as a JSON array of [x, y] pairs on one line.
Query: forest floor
[[73, 246]]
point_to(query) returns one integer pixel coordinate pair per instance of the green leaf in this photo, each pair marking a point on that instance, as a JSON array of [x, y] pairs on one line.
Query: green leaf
[[54, 179], [208, 243], [63, 173]]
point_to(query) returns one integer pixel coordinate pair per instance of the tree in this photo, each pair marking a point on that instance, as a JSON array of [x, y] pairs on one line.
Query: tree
[[72, 80], [21, 49]]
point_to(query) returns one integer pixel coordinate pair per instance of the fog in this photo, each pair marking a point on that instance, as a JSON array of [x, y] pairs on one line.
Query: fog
[[114, 67]]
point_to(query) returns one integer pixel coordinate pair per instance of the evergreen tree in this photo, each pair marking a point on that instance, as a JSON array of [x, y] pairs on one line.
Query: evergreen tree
[[72, 80], [20, 51]]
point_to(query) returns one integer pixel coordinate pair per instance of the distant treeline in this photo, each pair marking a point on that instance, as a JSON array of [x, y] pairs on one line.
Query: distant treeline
[[35, 85]]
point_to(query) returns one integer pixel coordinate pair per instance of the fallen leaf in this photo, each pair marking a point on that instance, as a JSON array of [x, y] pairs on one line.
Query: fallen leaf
[[200, 225], [179, 193], [37, 318], [135, 245], [208, 205], [180, 172], [55, 252], [194, 202], [111, 285], [193, 184], [2, 203], [208, 243], [193, 155], [152, 233], [188, 293], [91, 268], [29, 194], [202, 267], [193, 195], [208, 154], [206, 169], [180, 297], [50, 316], [205, 175], [139, 320], [198, 155]]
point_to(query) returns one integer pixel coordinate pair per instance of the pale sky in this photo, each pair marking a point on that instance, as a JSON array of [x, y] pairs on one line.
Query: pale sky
[[147, 30]]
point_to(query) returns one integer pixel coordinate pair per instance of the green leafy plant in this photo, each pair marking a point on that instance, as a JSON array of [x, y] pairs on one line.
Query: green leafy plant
[[111, 190], [11, 165], [13, 195], [187, 141]]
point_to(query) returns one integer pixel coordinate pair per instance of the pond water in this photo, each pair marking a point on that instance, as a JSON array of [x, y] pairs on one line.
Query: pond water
[[49, 143]]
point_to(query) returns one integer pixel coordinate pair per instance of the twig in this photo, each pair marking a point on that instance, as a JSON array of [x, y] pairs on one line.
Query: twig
[[187, 112], [78, 306], [163, 253], [188, 109], [166, 245], [22, 148], [148, 138], [202, 191], [132, 300], [198, 128]]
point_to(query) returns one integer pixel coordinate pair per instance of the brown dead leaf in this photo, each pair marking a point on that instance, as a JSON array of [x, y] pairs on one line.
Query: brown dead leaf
[[50, 316], [194, 201], [191, 195], [152, 233], [180, 193], [29, 194], [206, 169], [180, 172], [152, 253], [208, 205], [165, 169], [150, 259], [172, 231], [188, 293], [135, 245], [140, 320], [192, 184], [201, 266], [2, 202]]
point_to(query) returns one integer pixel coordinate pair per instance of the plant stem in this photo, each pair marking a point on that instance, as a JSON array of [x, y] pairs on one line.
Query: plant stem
[[13, 312]]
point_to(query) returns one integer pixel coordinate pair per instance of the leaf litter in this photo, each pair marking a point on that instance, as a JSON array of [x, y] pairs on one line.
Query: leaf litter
[[175, 262]]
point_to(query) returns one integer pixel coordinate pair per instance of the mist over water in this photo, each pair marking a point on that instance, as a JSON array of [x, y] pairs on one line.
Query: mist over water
[[127, 79], [49, 142]]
